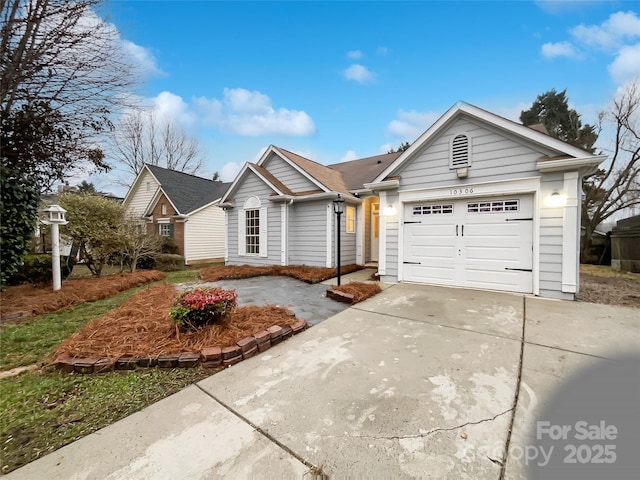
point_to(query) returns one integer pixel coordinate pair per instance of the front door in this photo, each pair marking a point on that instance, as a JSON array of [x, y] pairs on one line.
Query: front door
[[375, 229]]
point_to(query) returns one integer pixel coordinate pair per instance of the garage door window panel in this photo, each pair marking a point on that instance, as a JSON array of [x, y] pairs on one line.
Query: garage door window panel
[[437, 209], [497, 206]]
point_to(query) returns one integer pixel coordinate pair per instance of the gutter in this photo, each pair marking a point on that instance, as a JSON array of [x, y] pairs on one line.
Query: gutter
[[590, 164], [314, 196], [384, 185]]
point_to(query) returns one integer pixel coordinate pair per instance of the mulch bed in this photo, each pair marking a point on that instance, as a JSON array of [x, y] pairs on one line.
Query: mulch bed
[[610, 290], [142, 327], [359, 290], [300, 272], [38, 300]]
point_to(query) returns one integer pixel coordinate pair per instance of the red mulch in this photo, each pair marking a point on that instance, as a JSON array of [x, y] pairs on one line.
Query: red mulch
[[300, 272], [142, 327], [38, 300], [360, 290]]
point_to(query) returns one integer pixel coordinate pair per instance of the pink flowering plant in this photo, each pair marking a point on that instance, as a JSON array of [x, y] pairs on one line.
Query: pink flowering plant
[[193, 309]]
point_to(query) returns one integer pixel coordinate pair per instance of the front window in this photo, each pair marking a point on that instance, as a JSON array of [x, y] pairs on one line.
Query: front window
[[252, 236], [165, 229], [351, 220]]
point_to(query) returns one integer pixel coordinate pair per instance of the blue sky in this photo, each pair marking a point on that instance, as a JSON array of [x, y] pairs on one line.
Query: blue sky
[[341, 80]]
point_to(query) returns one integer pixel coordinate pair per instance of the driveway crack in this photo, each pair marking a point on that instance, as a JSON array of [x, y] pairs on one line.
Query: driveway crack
[[507, 445], [433, 430]]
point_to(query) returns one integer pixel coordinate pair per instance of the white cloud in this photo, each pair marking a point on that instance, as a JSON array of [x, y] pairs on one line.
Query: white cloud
[[229, 171], [626, 66], [617, 36], [350, 155], [560, 49], [359, 73], [354, 54], [385, 148], [250, 113], [409, 125], [613, 33], [143, 58], [168, 106]]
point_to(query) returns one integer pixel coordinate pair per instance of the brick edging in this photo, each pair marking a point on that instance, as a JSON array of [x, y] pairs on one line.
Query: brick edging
[[339, 296], [209, 357]]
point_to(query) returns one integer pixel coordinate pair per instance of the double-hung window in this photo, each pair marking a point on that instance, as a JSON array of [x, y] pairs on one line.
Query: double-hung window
[[351, 220], [252, 228]]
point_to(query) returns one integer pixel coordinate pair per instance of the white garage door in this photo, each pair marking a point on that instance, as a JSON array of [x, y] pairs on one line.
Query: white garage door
[[483, 243]]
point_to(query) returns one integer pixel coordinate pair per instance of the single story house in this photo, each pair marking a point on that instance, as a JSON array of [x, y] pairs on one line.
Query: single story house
[[476, 201], [183, 207]]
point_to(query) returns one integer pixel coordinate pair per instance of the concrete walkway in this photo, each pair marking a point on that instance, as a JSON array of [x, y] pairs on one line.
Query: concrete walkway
[[418, 381]]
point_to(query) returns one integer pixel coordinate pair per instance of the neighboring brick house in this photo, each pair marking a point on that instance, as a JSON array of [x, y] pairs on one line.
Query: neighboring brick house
[[183, 207]]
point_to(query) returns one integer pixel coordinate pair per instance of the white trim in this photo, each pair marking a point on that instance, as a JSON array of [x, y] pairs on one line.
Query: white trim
[[154, 201], [546, 166], [184, 242], [314, 196], [481, 189], [134, 186], [163, 220], [383, 185], [570, 233], [242, 233], [203, 207], [226, 236], [284, 226], [487, 117], [469, 138], [328, 263], [382, 237], [360, 234]]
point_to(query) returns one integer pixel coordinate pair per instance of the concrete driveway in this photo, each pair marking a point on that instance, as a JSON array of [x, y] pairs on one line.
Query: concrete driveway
[[418, 381]]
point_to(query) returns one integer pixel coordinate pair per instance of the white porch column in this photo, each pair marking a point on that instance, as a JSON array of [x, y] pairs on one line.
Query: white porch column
[[571, 233], [360, 234], [382, 235], [284, 229], [329, 235]]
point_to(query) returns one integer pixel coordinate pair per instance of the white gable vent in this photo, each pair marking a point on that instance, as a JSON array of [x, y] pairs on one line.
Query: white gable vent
[[460, 155]]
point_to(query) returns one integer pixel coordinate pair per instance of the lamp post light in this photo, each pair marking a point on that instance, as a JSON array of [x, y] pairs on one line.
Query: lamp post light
[[338, 209], [55, 218]]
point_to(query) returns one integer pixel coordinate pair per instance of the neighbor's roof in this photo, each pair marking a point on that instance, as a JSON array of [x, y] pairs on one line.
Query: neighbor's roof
[[187, 192], [356, 173]]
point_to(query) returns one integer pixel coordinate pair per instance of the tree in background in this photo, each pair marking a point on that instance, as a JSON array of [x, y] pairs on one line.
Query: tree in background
[[87, 187], [94, 227], [134, 243], [551, 109], [141, 137], [614, 187], [64, 74], [401, 148]]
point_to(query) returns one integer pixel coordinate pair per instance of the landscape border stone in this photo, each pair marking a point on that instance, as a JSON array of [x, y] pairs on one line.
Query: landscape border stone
[[209, 357]]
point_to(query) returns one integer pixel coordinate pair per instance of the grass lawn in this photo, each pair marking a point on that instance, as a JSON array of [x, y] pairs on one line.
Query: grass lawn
[[42, 411]]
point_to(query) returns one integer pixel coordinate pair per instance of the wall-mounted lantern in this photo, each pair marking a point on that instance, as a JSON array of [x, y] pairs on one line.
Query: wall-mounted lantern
[[55, 217]]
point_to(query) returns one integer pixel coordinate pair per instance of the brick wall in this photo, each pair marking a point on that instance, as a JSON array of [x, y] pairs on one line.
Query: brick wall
[[178, 227]]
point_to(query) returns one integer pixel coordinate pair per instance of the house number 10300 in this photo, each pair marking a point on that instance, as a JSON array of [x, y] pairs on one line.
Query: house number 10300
[[461, 191]]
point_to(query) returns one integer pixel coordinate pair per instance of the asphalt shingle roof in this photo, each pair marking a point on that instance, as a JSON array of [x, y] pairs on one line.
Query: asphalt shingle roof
[[188, 192], [356, 173]]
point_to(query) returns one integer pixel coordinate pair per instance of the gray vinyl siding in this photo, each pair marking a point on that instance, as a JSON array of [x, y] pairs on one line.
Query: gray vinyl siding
[[551, 220], [307, 233], [253, 186], [366, 211], [288, 175], [347, 240], [495, 156]]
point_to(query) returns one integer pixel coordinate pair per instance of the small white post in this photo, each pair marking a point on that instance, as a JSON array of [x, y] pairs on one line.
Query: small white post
[[55, 218], [55, 257]]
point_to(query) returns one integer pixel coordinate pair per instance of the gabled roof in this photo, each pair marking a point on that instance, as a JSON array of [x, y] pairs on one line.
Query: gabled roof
[[187, 192], [526, 133], [330, 179], [356, 173]]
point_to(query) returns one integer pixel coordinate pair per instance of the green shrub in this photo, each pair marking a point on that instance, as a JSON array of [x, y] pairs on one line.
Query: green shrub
[[166, 262], [169, 246], [36, 269], [193, 309]]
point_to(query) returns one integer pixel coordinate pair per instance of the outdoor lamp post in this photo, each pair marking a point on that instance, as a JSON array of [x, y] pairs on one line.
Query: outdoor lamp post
[[55, 218], [338, 209]]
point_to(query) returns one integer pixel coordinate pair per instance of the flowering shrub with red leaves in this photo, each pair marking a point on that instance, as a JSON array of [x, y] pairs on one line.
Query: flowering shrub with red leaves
[[193, 309]]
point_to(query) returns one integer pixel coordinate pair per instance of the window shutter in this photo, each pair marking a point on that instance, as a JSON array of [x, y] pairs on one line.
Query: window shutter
[[242, 236], [263, 232], [460, 151], [171, 230]]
